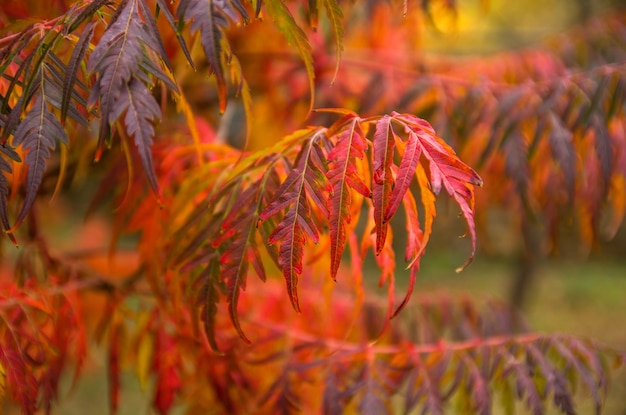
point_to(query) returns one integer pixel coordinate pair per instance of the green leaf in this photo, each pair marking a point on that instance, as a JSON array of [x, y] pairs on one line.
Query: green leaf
[[162, 7], [335, 15], [77, 15], [295, 36]]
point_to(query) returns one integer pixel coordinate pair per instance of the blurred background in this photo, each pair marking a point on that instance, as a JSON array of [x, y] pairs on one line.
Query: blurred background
[[576, 291]]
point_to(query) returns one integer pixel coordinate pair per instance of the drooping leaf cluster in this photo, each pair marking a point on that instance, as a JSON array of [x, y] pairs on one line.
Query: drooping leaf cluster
[[286, 203]]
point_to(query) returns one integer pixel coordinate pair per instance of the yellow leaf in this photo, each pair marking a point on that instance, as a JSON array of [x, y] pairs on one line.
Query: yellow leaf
[[295, 36], [617, 201], [145, 354], [335, 15], [62, 170], [145, 348], [185, 108], [428, 202]]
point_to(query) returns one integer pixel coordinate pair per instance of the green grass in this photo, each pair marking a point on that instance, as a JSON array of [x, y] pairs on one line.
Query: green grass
[[586, 298]]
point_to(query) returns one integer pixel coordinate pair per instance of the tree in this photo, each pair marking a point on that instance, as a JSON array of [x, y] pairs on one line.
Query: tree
[[113, 82]]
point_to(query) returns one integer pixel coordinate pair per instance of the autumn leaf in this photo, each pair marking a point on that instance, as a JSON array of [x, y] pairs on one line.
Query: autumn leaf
[[406, 172], [21, 381], [335, 15], [447, 171], [211, 18], [80, 49], [165, 363], [210, 293], [343, 176], [382, 183], [540, 124], [4, 195], [306, 181], [38, 134], [141, 112], [295, 36], [239, 242], [116, 57], [122, 86]]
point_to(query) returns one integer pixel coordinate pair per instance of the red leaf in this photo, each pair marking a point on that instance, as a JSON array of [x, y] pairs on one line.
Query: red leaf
[[415, 235], [446, 170], [234, 266], [382, 183], [20, 380], [386, 261], [165, 366], [78, 327], [343, 175], [410, 158], [239, 245], [428, 204], [414, 246], [308, 175], [240, 224], [289, 233], [409, 290]]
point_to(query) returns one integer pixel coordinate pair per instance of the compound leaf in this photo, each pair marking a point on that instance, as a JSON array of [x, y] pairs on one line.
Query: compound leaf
[[38, 133], [142, 111], [382, 183], [80, 49], [211, 18], [295, 36], [447, 171], [306, 177], [335, 15], [406, 172], [343, 176]]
